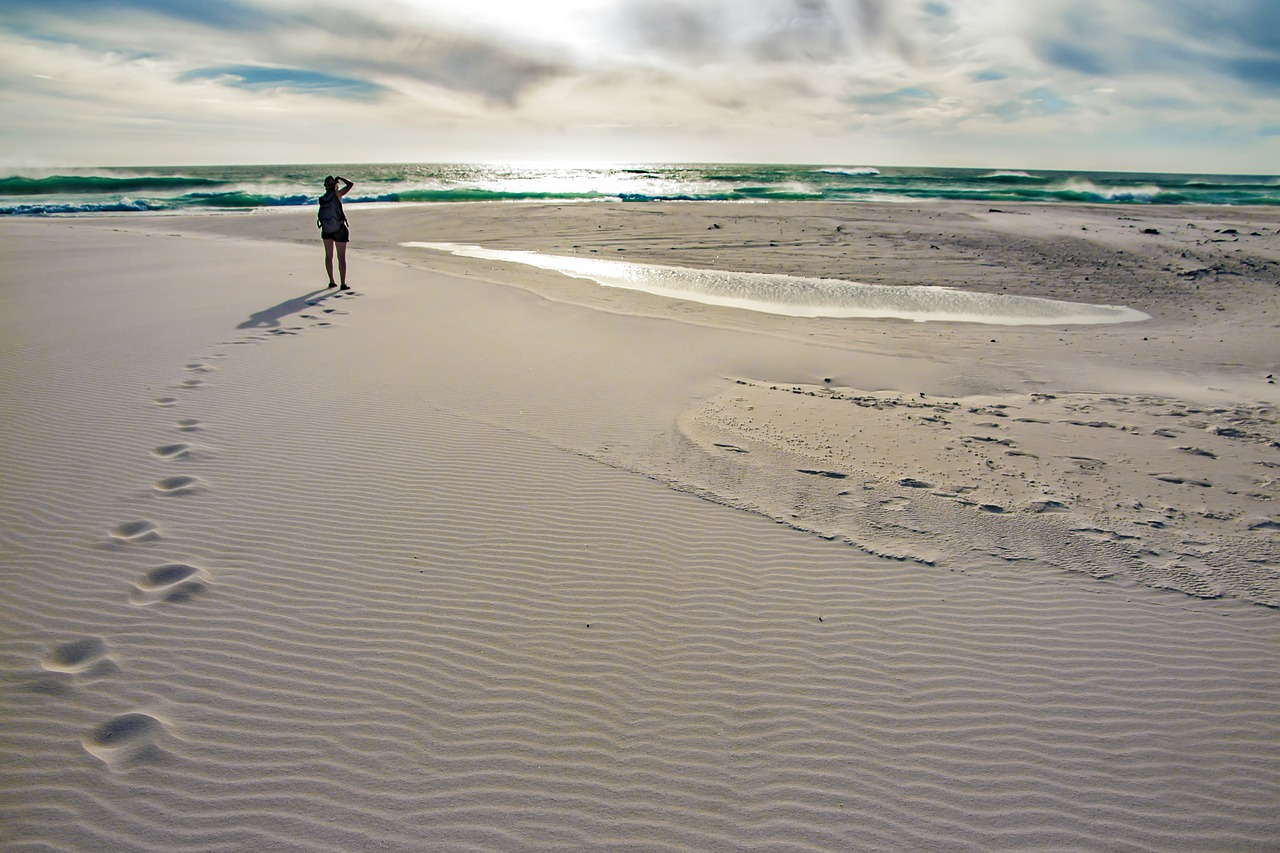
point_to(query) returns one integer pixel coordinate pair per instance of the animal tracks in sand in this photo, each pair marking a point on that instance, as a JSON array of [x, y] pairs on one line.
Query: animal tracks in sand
[[1102, 476]]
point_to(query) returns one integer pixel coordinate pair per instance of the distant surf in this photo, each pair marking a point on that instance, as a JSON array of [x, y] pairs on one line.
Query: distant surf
[[794, 296], [214, 188], [858, 171]]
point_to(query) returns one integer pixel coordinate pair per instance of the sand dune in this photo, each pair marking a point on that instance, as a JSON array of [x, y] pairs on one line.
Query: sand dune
[[292, 570]]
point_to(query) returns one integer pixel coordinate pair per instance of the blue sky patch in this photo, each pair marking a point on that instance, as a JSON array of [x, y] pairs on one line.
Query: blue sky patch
[[891, 100], [258, 78], [224, 14]]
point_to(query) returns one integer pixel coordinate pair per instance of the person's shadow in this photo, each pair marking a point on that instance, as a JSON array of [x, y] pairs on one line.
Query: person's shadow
[[269, 318]]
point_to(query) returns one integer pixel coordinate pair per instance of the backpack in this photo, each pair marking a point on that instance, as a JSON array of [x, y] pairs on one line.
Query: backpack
[[330, 217]]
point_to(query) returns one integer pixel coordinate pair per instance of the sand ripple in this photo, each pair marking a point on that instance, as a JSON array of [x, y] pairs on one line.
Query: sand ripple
[[417, 631]]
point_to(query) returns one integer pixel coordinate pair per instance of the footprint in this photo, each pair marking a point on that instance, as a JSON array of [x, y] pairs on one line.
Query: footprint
[[1087, 464], [197, 367], [1103, 535], [732, 448], [181, 484], [1179, 480], [834, 475], [172, 451], [124, 738], [189, 425], [1004, 442], [77, 656], [166, 402], [172, 582], [895, 504], [135, 531], [191, 383], [912, 483], [992, 508], [1047, 506]]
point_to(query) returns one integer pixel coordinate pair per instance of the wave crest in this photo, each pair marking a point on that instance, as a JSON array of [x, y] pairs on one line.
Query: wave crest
[[856, 171], [1089, 191], [59, 184]]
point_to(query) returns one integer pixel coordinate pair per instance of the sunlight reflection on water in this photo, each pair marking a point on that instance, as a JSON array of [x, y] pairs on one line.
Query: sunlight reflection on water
[[795, 296]]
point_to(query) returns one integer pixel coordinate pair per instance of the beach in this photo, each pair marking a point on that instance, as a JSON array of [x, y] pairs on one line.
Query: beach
[[480, 556]]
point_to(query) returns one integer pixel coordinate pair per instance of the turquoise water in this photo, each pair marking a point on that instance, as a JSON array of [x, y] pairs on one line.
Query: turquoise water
[[83, 191]]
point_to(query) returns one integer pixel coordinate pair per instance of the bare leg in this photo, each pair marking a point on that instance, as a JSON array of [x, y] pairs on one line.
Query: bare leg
[[342, 264], [328, 259]]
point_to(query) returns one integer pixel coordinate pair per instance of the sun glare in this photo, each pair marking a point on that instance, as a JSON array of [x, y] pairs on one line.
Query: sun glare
[[569, 23]]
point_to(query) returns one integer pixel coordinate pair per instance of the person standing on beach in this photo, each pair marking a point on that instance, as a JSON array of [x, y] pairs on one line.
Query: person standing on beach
[[333, 227]]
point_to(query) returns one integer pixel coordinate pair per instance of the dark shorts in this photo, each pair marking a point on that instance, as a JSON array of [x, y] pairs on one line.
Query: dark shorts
[[342, 235]]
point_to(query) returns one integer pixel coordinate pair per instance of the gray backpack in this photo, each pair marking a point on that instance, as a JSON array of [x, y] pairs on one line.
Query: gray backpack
[[330, 217]]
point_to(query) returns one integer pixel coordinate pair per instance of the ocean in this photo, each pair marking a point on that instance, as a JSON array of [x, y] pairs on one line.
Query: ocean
[[196, 188]]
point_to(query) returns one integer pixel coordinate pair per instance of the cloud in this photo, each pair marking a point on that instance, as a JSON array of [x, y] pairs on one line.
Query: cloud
[[369, 49], [579, 75], [1236, 39], [224, 14], [891, 101], [810, 31]]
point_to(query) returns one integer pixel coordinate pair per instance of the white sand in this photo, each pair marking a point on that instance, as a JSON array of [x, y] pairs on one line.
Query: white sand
[[400, 570]]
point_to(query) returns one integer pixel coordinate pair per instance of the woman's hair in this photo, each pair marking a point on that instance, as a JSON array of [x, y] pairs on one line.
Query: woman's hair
[[330, 180]]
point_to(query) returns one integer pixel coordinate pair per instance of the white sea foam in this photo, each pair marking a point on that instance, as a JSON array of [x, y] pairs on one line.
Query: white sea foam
[[1136, 192], [858, 171], [1011, 174], [793, 296]]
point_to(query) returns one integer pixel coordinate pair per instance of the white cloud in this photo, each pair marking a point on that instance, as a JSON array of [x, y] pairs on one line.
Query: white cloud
[[985, 82]]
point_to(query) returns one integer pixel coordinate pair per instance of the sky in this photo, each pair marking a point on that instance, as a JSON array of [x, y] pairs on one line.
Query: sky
[[1129, 85]]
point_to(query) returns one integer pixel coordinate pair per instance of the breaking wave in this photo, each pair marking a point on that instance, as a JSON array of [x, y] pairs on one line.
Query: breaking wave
[[94, 184], [856, 171], [1011, 177], [247, 187]]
